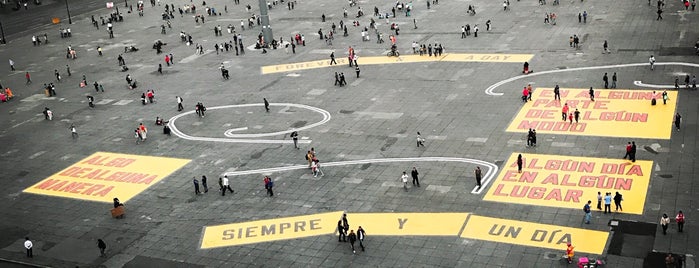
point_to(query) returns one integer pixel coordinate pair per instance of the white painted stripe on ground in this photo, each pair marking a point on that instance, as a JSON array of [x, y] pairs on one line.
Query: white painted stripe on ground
[[563, 144], [352, 180], [122, 102], [237, 138], [435, 137], [641, 84], [490, 89], [477, 140], [104, 102], [37, 154], [489, 174], [438, 188]]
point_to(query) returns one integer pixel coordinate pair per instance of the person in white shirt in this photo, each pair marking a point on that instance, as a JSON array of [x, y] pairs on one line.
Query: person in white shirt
[[28, 245], [226, 186], [404, 178]]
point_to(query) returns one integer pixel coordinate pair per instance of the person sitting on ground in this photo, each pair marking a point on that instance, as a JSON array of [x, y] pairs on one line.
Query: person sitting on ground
[[158, 121]]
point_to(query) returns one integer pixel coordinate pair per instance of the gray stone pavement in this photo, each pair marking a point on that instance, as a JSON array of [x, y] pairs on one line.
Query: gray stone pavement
[[375, 117]]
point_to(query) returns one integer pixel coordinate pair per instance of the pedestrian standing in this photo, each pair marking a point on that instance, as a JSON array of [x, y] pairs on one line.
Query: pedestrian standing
[[196, 185], [665, 96], [651, 60], [617, 202], [352, 239], [102, 246], [220, 184], [599, 201], [557, 93], [679, 219], [478, 173], [361, 234], [226, 186], [270, 185], [73, 131], [12, 65], [99, 51], [633, 151], [203, 183], [588, 212], [605, 78], [160, 68], [356, 70], [29, 78], [664, 222], [678, 121], [614, 80], [576, 114], [564, 111], [68, 70], [608, 203], [28, 245], [404, 178], [179, 103], [266, 104], [519, 163], [414, 174], [592, 94], [295, 136], [606, 47]]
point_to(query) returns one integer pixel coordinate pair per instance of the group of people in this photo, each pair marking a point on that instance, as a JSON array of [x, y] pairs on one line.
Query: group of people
[[344, 236]]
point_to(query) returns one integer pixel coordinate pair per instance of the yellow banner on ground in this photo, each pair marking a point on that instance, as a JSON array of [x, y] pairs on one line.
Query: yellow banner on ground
[[270, 230], [613, 113], [103, 176], [569, 182], [437, 224], [535, 234], [450, 57]]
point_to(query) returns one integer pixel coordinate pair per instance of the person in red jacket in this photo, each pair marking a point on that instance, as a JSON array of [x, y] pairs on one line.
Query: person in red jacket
[[525, 94], [564, 111]]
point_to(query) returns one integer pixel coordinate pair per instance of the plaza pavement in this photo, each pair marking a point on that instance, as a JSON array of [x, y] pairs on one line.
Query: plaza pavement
[[375, 116]]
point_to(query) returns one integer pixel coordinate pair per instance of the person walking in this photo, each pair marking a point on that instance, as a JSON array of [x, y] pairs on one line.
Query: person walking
[[614, 80], [332, 58], [102, 246], [266, 104], [341, 231], [179, 103], [651, 60], [226, 186], [665, 97], [679, 219], [404, 178], [12, 65], [592, 93], [633, 151], [268, 185], [73, 131], [678, 121], [608, 203], [606, 47], [617, 202], [664, 222], [588, 212], [478, 173], [414, 174], [557, 93], [28, 245], [599, 201], [361, 234], [203, 183], [196, 185], [28, 77], [420, 140], [352, 239], [519, 163]]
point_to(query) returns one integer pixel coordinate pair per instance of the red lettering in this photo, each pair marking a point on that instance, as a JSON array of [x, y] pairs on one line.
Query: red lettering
[[46, 184], [536, 193], [78, 172], [97, 160], [510, 175], [69, 171], [93, 188], [120, 162], [554, 194], [104, 191], [498, 190], [635, 170], [551, 179], [149, 180]]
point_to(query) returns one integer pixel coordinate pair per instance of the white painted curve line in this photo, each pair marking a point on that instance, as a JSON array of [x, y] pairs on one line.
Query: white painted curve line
[[641, 84], [490, 89], [490, 173], [245, 138]]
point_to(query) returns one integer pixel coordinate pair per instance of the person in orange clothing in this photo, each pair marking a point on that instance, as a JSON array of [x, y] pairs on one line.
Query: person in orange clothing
[[570, 253], [564, 111], [143, 130], [525, 94], [8, 93]]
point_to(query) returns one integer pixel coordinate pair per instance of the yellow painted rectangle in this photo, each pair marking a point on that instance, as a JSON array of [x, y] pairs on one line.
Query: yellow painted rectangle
[[103, 176], [569, 182], [270, 230], [614, 113], [451, 57], [534, 234], [431, 224]]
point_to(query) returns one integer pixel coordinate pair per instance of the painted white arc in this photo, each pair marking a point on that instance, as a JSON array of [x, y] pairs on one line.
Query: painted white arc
[[490, 172], [490, 89], [246, 138], [641, 84]]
